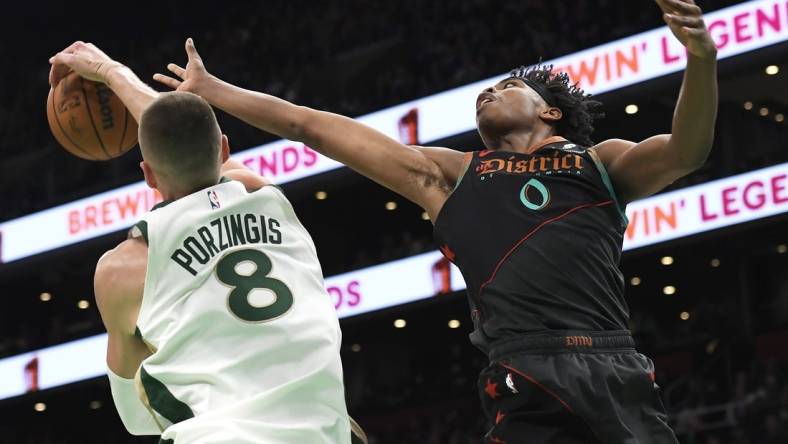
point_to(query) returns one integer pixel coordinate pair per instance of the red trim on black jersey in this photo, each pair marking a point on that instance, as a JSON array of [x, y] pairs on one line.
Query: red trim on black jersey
[[530, 233]]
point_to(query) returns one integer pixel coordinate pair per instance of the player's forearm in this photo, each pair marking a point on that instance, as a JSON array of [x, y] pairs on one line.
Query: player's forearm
[[696, 112], [400, 168], [268, 113], [232, 164], [132, 91]]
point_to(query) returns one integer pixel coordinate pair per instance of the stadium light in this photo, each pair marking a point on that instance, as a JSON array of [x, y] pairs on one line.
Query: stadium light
[[40, 407], [779, 117], [355, 348], [684, 315], [400, 323], [772, 70], [45, 297], [321, 195], [391, 205], [666, 260], [454, 323], [425, 216], [635, 281], [95, 405], [715, 263], [764, 111], [748, 105], [782, 248], [631, 109], [83, 304], [669, 289]]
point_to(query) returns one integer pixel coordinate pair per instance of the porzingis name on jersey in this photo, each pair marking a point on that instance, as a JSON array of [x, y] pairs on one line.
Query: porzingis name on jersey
[[225, 232]]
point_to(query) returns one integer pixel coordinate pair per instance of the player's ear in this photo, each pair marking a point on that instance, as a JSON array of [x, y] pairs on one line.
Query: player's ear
[[225, 148], [551, 115], [150, 178]]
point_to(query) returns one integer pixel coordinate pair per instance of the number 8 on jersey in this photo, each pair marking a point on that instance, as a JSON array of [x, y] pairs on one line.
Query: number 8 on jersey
[[242, 285]]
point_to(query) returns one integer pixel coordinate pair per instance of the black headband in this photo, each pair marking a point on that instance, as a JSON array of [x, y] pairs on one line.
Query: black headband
[[540, 89]]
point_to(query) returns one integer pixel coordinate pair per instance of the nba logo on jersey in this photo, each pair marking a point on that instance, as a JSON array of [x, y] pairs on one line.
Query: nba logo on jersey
[[572, 148], [213, 198]]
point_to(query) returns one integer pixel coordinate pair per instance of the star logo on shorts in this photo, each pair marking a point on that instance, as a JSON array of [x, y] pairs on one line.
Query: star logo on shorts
[[491, 389]]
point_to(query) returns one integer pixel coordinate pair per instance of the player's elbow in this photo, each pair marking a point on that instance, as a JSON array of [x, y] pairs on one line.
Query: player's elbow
[[302, 124], [691, 156]]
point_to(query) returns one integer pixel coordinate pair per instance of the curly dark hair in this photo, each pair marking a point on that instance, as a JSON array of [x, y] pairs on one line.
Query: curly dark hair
[[579, 110]]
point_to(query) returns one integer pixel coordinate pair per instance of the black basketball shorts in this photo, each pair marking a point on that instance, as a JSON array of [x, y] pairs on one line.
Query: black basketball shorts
[[572, 387]]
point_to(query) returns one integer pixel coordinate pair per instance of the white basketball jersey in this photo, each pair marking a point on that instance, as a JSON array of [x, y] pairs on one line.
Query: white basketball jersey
[[245, 338]]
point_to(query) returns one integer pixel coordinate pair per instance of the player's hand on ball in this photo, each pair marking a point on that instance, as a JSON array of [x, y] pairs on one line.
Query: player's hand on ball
[[685, 20], [83, 58], [189, 79]]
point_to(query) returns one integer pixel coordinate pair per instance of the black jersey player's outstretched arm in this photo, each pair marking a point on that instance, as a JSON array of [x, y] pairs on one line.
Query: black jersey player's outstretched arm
[[642, 169], [424, 175]]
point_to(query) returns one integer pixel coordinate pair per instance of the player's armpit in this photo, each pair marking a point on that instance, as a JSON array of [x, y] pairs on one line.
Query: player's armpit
[[452, 163], [639, 170]]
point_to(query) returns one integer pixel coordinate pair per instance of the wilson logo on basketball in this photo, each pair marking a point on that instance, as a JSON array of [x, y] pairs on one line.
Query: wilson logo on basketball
[[104, 98]]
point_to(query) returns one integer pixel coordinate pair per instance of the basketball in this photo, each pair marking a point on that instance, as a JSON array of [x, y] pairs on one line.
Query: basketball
[[89, 120]]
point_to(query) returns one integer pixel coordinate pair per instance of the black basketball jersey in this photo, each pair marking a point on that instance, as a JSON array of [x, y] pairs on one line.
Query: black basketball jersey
[[538, 239]]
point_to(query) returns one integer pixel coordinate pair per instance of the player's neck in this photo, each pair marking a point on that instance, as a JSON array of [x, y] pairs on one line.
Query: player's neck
[[524, 142], [170, 195]]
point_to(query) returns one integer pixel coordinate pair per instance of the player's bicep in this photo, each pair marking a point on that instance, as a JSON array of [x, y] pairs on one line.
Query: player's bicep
[[125, 351], [641, 169], [104, 285]]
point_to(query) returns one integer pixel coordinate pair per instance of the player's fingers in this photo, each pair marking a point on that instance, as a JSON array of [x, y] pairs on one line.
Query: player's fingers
[[166, 80], [662, 5], [96, 49], [60, 67], [73, 47], [689, 22], [62, 58], [693, 32], [177, 70], [191, 50], [683, 7]]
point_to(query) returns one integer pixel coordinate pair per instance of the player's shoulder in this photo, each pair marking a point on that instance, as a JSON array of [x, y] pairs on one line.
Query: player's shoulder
[[608, 150], [118, 264]]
